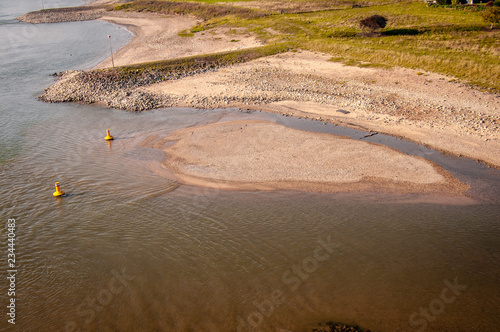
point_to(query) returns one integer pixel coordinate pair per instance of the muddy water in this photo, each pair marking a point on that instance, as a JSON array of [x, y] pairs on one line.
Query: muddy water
[[130, 250]]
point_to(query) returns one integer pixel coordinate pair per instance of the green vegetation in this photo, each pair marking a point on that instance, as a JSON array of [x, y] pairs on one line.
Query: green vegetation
[[186, 33], [451, 40], [205, 11], [196, 63], [212, 1], [373, 23], [492, 15]]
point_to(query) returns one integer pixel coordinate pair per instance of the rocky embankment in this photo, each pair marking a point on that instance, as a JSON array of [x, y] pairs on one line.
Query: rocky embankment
[[114, 88], [338, 327], [70, 14], [262, 87], [117, 91]]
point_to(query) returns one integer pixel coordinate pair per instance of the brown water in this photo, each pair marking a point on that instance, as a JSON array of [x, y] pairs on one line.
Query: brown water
[[129, 250], [203, 260]]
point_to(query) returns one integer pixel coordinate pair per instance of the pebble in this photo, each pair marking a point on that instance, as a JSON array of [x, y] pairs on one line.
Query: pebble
[[260, 87]]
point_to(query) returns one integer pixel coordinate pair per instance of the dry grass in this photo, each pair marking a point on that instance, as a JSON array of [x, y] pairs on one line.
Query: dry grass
[[201, 10]]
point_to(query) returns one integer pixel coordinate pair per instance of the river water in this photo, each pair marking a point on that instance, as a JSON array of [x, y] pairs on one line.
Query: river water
[[129, 250]]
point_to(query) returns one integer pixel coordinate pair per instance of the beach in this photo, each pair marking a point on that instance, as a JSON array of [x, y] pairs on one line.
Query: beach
[[156, 37], [262, 155], [426, 108]]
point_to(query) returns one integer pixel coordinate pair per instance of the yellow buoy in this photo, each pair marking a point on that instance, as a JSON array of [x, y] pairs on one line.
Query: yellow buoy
[[58, 191], [108, 136]]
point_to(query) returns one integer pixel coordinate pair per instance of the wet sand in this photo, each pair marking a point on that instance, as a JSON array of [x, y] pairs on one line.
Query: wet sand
[[261, 155]]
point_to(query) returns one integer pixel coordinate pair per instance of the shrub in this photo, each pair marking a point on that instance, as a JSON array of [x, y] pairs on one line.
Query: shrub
[[373, 23], [492, 15]]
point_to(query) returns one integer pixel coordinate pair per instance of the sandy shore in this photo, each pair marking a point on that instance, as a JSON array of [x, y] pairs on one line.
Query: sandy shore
[[255, 154], [156, 37], [427, 108]]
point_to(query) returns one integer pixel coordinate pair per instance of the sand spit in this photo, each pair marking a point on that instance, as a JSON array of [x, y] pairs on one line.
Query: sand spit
[[261, 155], [69, 14]]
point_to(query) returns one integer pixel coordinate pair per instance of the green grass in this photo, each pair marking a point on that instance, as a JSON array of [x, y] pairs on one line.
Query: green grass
[[450, 41], [186, 33], [197, 62]]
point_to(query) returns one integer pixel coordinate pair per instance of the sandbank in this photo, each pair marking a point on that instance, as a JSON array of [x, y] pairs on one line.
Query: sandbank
[[262, 155]]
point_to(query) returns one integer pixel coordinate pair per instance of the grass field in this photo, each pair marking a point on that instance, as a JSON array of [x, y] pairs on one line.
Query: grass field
[[451, 41], [198, 62]]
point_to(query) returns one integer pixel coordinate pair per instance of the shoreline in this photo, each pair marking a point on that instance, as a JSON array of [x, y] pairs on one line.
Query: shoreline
[[88, 12], [428, 109]]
